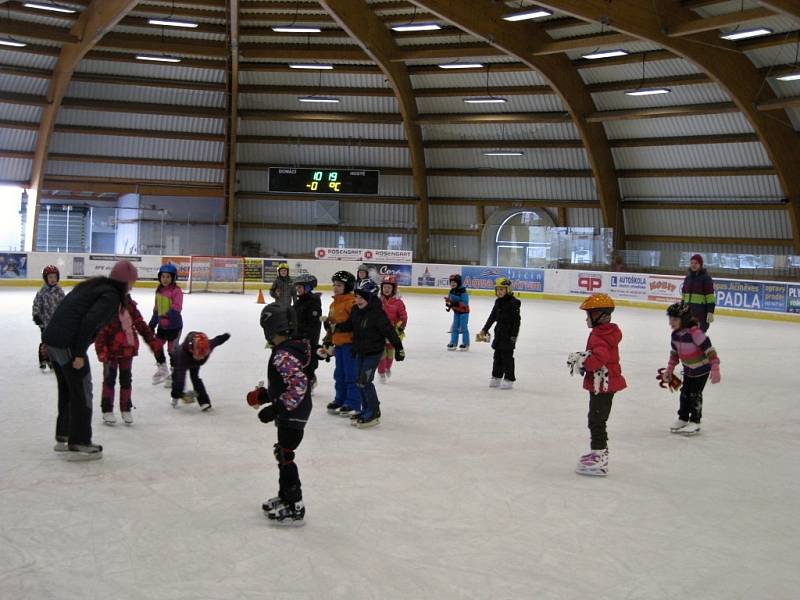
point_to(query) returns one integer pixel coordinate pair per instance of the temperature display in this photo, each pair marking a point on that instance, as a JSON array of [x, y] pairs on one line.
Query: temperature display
[[322, 181]]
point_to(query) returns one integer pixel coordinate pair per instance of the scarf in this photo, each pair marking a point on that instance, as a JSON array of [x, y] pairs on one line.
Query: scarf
[[127, 325]]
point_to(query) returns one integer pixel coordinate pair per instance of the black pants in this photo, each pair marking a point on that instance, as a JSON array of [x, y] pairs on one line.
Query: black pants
[[503, 365], [691, 407], [170, 337], [179, 381], [599, 410], [74, 421], [289, 439]]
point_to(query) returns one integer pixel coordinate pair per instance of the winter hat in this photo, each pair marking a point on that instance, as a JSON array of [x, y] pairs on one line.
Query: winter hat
[[698, 258], [124, 272]]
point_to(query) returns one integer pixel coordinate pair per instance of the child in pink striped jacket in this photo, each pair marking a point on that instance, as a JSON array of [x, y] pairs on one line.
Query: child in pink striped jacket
[[693, 349]]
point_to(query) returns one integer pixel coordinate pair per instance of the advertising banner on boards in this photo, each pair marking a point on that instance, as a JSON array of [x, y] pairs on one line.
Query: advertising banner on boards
[[483, 278], [14, 265]]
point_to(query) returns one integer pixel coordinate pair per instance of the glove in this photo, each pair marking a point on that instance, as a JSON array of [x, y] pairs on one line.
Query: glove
[[401, 331], [156, 345], [448, 304], [38, 320], [258, 396], [575, 362], [716, 376], [267, 413], [324, 353], [483, 336], [667, 379], [399, 354], [710, 319], [153, 322], [224, 338]]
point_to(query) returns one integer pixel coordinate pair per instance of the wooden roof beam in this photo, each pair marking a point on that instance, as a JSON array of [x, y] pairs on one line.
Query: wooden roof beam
[[788, 8], [231, 122], [98, 18], [486, 23], [733, 71], [700, 25]]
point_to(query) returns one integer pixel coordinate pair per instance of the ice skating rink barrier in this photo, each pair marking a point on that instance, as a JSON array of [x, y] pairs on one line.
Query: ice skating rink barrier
[[746, 298]]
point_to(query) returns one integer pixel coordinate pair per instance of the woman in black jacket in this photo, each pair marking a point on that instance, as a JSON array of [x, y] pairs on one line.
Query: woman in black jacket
[[371, 329], [82, 313]]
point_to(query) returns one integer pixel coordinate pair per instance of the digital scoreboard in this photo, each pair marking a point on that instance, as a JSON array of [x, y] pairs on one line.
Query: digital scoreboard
[[323, 181]]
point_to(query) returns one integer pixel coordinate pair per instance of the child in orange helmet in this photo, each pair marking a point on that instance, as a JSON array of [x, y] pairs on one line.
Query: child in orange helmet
[[599, 364], [190, 355]]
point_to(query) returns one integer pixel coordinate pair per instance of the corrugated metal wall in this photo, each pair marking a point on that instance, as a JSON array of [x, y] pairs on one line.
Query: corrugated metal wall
[[769, 224]]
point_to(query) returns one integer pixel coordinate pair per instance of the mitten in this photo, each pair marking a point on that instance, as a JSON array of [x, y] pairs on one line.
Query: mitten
[[483, 336], [399, 354], [267, 413], [667, 379], [575, 362], [258, 396], [710, 319], [716, 376], [401, 331]]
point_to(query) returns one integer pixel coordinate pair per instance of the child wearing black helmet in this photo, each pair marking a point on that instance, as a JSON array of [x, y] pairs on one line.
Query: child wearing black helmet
[[458, 301], [45, 303], [693, 348], [308, 310], [167, 318], [287, 401], [505, 314], [371, 329]]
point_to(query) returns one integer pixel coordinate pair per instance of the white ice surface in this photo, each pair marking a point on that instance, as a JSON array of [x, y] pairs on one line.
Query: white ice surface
[[461, 492]]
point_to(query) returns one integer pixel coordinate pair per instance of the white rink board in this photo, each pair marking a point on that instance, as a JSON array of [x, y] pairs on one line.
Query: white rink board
[[461, 491]]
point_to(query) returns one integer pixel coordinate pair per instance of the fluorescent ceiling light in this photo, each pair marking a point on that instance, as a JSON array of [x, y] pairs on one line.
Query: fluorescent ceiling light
[[605, 54], [461, 66], [504, 153], [168, 59], [485, 100], [171, 23], [295, 29], [744, 34], [311, 66], [53, 7], [322, 99], [536, 13], [648, 92], [12, 43], [789, 77], [417, 27]]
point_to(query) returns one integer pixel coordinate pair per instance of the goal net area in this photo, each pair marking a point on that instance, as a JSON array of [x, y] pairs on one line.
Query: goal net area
[[220, 274]]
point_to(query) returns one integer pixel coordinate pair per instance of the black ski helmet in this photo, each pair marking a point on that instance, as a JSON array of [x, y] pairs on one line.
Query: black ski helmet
[[682, 311], [367, 289], [347, 278], [307, 280], [275, 320]]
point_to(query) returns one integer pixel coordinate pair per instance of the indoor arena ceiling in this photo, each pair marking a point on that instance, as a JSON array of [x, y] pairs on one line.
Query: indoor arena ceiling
[[626, 104]]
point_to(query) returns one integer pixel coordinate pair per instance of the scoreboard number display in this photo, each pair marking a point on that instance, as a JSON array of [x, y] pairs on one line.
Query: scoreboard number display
[[323, 181]]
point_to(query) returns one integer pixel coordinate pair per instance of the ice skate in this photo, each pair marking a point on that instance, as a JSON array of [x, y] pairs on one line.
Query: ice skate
[[271, 504], [463, 348], [61, 445], [78, 452], [346, 411], [127, 417], [205, 407], [363, 421], [678, 425], [109, 418], [189, 397], [494, 382], [168, 381], [161, 374], [594, 464], [175, 403], [690, 429], [288, 513], [333, 408], [382, 377], [506, 384], [451, 347], [43, 367]]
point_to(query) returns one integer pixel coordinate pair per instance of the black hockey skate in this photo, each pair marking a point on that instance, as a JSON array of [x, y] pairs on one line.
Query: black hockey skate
[[287, 513], [271, 504], [333, 408], [363, 421]]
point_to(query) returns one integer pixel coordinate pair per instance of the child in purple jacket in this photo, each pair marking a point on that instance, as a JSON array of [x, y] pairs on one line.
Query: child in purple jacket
[[167, 316]]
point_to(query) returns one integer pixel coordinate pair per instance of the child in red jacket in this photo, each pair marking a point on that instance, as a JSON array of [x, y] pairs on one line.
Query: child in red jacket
[[395, 309], [116, 345], [599, 365]]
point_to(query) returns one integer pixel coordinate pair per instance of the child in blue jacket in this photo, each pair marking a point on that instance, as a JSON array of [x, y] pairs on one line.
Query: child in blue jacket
[[458, 301]]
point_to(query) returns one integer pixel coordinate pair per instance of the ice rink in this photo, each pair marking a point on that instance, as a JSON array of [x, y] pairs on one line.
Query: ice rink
[[460, 492]]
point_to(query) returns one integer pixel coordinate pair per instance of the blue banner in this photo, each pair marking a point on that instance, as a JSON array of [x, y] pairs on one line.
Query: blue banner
[[793, 298], [483, 278], [402, 272], [751, 295]]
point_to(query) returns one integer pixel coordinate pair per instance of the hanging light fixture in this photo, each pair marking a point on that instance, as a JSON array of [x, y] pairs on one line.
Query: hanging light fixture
[[527, 14], [173, 23], [795, 75], [154, 58], [502, 152], [293, 28], [643, 91], [318, 97], [605, 54], [13, 43], [458, 65], [746, 34], [311, 66], [49, 6], [412, 25], [489, 98]]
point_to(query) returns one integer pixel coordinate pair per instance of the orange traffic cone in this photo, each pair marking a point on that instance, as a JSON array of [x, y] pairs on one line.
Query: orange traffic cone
[[260, 299]]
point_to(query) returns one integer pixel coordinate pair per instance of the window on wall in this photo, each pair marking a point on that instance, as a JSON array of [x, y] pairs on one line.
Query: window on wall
[[526, 239], [62, 228], [10, 223]]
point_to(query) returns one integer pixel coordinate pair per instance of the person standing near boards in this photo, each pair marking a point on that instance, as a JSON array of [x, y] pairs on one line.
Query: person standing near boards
[[698, 293]]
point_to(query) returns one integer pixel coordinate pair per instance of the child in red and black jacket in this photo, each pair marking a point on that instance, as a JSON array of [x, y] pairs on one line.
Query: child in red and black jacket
[[190, 355], [599, 364], [116, 345]]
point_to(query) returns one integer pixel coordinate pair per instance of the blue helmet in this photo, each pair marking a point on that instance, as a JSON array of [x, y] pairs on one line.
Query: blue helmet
[[367, 289], [171, 269]]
